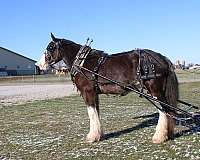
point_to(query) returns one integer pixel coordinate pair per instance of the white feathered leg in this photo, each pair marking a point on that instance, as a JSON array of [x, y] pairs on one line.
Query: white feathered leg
[[95, 132], [164, 128]]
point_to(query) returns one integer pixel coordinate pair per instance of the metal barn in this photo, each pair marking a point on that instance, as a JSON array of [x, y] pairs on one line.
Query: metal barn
[[14, 64]]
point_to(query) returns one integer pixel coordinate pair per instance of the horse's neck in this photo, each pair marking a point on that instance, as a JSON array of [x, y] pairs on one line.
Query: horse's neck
[[70, 54]]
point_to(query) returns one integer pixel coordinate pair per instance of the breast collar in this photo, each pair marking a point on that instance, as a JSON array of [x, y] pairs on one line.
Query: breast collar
[[79, 60]]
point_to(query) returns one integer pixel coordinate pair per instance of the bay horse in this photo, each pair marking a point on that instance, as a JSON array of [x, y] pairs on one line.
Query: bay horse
[[121, 67]]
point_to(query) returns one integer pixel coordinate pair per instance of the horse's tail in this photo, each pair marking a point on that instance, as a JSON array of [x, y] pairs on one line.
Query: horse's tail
[[172, 89]]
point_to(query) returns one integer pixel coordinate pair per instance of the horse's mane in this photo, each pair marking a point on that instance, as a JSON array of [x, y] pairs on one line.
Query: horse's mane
[[66, 41]]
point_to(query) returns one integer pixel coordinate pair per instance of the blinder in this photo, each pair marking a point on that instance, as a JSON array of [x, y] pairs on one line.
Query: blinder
[[52, 53], [53, 50]]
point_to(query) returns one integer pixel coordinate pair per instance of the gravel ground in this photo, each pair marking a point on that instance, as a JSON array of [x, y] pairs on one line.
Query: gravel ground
[[20, 94]]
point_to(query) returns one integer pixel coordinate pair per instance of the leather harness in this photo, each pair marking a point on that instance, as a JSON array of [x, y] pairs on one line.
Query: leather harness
[[145, 69], [79, 61]]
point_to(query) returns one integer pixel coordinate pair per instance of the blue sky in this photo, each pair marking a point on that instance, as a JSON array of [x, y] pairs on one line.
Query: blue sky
[[171, 27]]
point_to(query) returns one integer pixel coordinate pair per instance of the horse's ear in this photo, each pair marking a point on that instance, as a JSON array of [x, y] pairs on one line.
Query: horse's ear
[[53, 37]]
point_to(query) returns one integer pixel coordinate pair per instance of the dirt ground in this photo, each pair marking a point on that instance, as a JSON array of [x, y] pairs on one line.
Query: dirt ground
[[20, 94]]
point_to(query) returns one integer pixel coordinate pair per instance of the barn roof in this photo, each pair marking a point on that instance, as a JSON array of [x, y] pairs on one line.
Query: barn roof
[[18, 54]]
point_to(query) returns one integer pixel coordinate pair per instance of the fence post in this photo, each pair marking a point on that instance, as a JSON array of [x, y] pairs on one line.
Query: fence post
[[33, 78]]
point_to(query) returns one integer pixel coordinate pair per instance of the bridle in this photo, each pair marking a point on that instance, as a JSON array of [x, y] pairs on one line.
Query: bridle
[[54, 51]]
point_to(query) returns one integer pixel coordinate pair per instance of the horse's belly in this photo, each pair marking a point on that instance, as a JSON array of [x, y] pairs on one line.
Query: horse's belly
[[111, 89]]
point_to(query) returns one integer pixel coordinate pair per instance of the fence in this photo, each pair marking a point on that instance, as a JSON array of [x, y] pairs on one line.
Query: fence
[[47, 78], [183, 76]]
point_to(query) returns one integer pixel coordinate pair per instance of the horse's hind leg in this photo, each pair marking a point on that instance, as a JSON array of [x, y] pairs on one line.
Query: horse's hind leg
[[91, 100], [166, 124], [164, 128]]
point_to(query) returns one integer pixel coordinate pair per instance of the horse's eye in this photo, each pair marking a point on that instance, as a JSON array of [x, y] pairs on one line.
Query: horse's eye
[[50, 48]]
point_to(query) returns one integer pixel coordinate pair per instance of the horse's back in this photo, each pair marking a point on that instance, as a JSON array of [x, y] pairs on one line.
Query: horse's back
[[158, 58], [120, 66], [133, 56]]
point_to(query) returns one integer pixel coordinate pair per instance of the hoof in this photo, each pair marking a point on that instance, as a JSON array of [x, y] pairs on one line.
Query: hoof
[[94, 137], [158, 138]]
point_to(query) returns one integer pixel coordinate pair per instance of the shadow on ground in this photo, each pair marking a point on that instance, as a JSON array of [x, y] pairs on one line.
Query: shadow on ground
[[153, 118], [152, 121]]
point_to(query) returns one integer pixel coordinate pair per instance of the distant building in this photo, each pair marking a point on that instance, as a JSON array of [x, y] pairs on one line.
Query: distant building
[[183, 64], [180, 64], [196, 66], [13, 64], [177, 64], [61, 68]]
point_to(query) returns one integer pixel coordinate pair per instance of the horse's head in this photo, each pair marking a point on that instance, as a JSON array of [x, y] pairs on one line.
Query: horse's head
[[53, 53], [57, 50]]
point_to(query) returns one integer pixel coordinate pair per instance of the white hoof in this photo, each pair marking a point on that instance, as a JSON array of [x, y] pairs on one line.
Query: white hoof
[[94, 137], [159, 138]]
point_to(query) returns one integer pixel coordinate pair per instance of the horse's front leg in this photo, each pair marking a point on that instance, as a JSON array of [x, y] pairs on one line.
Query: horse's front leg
[[91, 99], [95, 133]]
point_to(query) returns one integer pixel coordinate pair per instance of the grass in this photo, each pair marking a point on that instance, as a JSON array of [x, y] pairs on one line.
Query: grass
[[56, 129], [188, 75]]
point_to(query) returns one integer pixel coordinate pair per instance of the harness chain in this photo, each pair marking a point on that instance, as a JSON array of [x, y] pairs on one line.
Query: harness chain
[[146, 65], [180, 121]]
